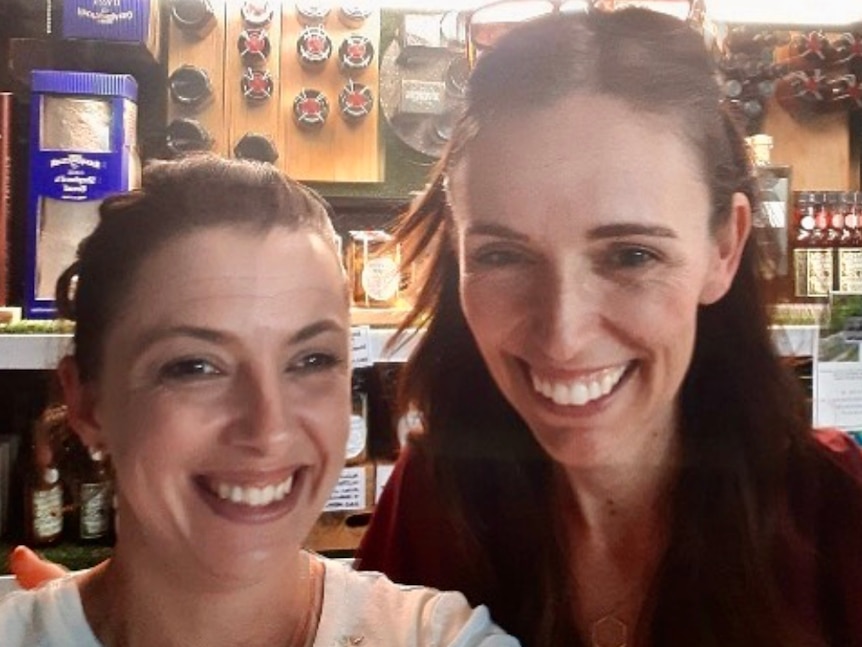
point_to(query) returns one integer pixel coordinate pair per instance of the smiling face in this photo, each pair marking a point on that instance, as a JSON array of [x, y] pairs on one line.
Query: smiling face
[[224, 396], [585, 251]]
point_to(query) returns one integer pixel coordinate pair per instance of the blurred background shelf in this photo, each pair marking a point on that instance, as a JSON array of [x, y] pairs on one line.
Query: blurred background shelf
[[43, 351]]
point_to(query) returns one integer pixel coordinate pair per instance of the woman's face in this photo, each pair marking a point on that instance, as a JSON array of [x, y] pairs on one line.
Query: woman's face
[[224, 396], [584, 249]]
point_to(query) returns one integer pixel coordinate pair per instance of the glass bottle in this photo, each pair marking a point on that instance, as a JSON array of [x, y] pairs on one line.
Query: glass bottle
[[43, 505], [94, 499]]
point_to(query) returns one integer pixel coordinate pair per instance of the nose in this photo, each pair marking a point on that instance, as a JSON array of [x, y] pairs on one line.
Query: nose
[[567, 313], [263, 417]]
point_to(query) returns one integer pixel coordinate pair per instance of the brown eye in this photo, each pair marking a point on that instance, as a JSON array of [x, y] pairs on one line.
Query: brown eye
[[187, 369], [313, 362], [632, 257]]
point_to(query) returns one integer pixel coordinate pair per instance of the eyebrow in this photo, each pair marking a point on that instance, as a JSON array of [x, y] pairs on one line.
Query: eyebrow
[[597, 233], [212, 335]]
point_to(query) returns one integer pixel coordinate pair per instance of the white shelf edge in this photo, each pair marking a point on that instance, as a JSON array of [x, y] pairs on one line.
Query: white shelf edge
[[41, 352]]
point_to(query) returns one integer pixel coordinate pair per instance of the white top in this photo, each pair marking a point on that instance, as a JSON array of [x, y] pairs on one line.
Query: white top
[[359, 608]]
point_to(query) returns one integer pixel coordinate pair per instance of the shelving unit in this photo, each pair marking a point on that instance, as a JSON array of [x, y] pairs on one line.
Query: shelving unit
[[42, 352]]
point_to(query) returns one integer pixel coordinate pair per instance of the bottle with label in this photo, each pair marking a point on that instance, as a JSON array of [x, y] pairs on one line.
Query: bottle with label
[[373, 264], [43, 494], [812, 258], [849, 260], [94, 499]]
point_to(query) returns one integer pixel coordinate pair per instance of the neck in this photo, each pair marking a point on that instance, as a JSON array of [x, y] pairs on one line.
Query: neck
[[615, 526], [131, 601], [621, 495]]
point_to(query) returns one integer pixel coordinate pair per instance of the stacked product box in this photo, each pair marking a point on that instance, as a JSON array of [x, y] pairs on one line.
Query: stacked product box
[[82, 149]]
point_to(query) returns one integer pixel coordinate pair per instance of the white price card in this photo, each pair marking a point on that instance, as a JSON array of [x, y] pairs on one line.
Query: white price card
[[349, 492], [360, 346], [383, 472], [837, 391]]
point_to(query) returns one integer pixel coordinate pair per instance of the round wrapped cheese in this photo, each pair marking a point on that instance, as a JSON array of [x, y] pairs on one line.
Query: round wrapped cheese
[[257, 85], [314, 47], [355, 54], [355, 102], [310, 109], [254, 46]]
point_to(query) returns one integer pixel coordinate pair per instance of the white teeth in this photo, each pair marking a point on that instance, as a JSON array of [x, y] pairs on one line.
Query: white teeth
[[254, 496], [580, 391]]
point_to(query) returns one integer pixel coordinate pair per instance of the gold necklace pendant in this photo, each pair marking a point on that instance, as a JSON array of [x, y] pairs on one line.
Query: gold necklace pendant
[[609, 631]]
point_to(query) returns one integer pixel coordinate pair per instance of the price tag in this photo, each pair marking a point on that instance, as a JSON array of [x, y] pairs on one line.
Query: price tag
[[384, 471], [349, 492], [360, 346]]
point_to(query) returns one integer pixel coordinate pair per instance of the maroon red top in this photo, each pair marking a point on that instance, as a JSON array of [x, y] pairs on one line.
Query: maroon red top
[[410, 539]]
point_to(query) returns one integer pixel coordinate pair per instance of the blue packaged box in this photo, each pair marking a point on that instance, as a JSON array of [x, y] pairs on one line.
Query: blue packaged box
[[128, 21], [83, 148]]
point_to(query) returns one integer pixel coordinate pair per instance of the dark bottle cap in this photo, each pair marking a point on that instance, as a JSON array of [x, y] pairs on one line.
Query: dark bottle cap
[[310, 108], [257, 85], [314, 47], [187, 135], [355, 101], [193, 16], [190, 85], [355, 54], [256, 146], [257, 13], [353, 14], [312, 12], [254, 46]]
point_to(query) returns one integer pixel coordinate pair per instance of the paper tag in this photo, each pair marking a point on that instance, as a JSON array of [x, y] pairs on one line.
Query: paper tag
[[349, 492], [360, 346]]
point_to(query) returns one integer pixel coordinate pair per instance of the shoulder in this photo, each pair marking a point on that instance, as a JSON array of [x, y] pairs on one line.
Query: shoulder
[[370, 606], [49, 615]]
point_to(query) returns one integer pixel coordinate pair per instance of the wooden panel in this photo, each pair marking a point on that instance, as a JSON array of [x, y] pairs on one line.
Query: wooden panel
[[817, 148], [208, 54], [244, 116], [338, 152]]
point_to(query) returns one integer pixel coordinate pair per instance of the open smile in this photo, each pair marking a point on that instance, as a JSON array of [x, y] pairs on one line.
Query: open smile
[[581, 390], [251, 501]]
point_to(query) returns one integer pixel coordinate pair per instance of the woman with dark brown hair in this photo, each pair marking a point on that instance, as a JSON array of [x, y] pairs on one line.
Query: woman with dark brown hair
[[614, 454]]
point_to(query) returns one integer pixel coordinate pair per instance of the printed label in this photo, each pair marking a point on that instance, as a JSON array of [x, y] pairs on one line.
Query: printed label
[[850, 270], [95, 510], [47, 512], [349, 492], [380, 278], [819, 275]]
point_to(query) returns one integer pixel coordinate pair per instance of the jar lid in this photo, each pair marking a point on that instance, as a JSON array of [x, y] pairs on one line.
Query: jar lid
[[189, 85], [256, 146], [185, 135], [192, 15]]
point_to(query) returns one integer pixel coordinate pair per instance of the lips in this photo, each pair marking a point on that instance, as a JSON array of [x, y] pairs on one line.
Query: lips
[[581, 390], [253, 495], [251, 498]]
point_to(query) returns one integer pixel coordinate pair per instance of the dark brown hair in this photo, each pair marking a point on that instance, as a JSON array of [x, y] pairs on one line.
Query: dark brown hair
[[177, 197], [743, 416]]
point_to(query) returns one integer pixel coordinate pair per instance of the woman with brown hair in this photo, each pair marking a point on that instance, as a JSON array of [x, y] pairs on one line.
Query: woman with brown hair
[[614, 454], [211, 361]]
